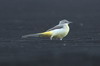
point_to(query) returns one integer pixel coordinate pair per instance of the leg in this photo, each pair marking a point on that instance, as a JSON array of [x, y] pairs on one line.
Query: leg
[[51, 37], [60, 37]]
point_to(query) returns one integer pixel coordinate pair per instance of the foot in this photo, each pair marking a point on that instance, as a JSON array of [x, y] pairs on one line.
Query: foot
[[60, 38]]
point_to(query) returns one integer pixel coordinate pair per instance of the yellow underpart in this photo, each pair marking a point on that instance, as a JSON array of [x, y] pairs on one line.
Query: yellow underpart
[[46, 34]]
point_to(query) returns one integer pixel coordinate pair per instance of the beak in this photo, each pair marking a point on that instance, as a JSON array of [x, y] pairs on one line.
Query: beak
[[70, 22]]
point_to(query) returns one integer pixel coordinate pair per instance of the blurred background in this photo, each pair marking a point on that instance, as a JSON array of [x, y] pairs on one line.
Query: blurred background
[[20, 17]]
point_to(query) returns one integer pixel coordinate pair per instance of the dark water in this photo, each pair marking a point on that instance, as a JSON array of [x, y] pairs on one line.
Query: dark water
[[80, 48]]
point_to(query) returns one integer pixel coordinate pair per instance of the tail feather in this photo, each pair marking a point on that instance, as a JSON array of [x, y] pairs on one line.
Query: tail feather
[[31, 35], [44, 34]]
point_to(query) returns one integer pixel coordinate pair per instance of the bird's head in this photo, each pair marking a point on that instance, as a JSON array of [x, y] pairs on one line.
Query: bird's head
[[64, 21]]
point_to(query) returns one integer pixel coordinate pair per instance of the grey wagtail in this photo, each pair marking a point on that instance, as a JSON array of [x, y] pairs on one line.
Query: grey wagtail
[[59, 31]]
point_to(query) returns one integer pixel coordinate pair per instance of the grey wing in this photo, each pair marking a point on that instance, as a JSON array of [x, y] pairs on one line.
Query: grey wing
[[55, 27]]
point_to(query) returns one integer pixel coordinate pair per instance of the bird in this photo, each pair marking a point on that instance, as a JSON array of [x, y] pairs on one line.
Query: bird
[[59, 31]]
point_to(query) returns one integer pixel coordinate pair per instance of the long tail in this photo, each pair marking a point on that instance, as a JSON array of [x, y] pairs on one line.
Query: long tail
[[44, 34], [32, 35]]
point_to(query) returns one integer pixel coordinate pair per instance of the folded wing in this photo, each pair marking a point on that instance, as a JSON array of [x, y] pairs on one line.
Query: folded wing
[[55, 27]]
